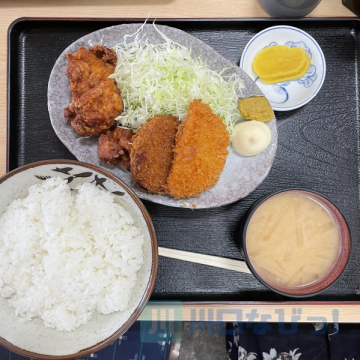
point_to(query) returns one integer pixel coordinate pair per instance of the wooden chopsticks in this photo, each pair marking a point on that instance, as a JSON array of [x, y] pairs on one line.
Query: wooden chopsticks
[[220, 262]]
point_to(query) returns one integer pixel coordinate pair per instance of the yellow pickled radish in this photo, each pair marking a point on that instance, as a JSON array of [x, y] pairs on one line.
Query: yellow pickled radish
[[289, 77], [280, 63], [280, 60], [304, 65]]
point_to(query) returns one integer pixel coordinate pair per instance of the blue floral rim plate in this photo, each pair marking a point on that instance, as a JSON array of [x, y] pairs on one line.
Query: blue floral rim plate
[[291, 94]]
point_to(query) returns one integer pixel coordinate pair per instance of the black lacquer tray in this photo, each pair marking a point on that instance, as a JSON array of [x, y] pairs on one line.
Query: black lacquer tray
[[318, 146]]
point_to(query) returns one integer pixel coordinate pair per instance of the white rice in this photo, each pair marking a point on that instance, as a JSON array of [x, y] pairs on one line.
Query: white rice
[[65, 255]]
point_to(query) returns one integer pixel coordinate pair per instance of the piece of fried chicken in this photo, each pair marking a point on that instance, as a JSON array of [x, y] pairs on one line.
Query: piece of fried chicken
[[87, 68], [115, 147], [88, 72], [152, 152], [200, 152], [97, 109]]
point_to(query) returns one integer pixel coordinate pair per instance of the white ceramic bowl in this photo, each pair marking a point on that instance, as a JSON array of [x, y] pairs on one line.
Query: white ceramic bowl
[[289, 95], [32, 339]]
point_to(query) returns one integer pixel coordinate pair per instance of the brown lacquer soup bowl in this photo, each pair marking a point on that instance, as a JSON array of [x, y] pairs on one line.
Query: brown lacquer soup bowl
[[334, 270]]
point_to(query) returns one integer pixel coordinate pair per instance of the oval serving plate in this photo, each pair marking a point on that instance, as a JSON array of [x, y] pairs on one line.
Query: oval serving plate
[[240, 176]]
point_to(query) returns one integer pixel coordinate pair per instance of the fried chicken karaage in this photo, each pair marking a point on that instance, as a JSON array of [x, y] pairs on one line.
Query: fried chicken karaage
[[97, 108], [152, 152], [199, 154], [96, 100], [115, 147]]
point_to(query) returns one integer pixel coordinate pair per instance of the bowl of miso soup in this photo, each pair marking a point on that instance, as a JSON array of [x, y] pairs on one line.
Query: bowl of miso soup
[[296, 242]]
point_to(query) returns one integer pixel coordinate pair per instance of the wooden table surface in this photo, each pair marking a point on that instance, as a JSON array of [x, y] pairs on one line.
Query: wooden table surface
[[13, 9]]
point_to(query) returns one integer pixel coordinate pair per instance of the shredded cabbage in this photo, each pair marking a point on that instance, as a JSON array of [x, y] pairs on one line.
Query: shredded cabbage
[[164, 79]]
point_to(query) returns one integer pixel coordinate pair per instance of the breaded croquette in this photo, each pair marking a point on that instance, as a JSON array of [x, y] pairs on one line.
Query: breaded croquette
[[200, 152], [152, 152]]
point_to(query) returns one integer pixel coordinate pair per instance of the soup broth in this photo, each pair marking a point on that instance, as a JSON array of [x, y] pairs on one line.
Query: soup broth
[[292, 240]]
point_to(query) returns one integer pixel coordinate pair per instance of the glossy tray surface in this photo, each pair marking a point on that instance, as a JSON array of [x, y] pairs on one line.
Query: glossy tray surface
[[318, 147]]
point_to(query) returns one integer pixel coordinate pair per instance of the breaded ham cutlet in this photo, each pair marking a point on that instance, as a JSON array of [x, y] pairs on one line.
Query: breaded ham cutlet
[[200, 152], [152, 152]]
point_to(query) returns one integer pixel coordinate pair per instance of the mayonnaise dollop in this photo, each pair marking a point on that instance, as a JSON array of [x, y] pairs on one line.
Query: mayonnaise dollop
[[251, 138]]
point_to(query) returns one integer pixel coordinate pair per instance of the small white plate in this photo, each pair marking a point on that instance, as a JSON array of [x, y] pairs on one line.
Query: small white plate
[[291, 94]]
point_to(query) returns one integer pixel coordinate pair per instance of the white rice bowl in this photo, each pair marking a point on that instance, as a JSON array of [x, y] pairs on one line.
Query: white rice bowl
[[115, 280]]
